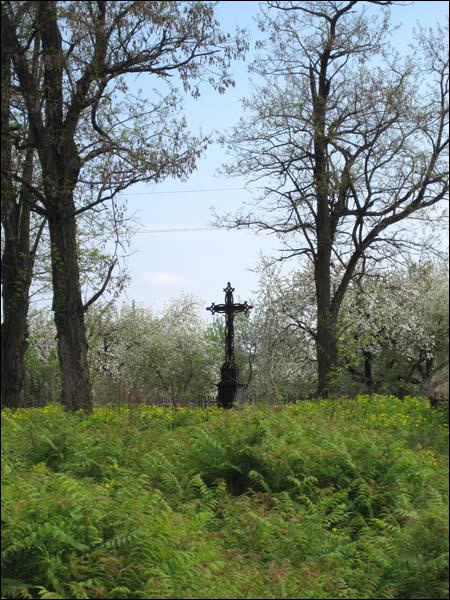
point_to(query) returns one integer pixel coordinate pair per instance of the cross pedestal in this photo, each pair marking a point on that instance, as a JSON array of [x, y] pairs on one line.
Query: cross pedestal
[[229, 385]]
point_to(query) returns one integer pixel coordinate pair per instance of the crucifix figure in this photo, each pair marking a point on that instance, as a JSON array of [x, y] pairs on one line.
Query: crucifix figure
[[229, 380]]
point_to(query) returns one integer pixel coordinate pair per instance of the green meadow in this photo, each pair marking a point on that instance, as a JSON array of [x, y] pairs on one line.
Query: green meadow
[[324, 499]]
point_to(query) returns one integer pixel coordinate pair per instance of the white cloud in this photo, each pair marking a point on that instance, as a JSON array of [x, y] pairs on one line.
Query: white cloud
[[163, 279]]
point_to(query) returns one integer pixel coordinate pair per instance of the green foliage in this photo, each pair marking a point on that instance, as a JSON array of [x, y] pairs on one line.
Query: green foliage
[[42, 377], [322, 499]]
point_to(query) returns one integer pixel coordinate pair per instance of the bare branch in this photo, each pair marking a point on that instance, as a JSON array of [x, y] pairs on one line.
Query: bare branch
[[97, 295]]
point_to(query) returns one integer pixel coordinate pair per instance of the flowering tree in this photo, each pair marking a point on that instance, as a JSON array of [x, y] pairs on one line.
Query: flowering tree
[[281, 326], [42, 381], [143, 356], [392, 330], [398, 324]]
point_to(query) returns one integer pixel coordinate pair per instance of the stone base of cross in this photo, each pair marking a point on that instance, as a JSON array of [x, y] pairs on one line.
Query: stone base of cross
[[229, 387]]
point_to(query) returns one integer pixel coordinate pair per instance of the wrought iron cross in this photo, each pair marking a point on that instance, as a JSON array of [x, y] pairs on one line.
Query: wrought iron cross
[[229, 308]]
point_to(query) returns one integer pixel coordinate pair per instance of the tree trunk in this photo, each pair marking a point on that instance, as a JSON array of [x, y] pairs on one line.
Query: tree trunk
[[17, 265], [14, 335], [68, 309], [429, 369], [326, 347], [428, 383], [326, 318], [15, 273], [368, 377]]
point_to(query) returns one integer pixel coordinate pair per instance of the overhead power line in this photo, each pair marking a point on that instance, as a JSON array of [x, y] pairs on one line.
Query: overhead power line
[[189, 191], [182, 229]]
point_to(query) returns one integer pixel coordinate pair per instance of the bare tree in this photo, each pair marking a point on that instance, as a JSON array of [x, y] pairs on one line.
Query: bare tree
[[349, 141], [88, 130]]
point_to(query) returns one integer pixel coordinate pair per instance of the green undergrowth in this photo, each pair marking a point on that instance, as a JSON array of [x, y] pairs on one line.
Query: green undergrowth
[[343, 499]]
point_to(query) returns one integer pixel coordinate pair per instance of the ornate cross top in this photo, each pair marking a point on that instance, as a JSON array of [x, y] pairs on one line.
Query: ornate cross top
[[229, 309]]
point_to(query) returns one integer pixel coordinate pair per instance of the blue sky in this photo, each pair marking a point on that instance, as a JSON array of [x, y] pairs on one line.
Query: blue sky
[[164, 265]]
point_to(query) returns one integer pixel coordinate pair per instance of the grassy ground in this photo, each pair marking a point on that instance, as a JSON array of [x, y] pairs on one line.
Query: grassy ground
[[344, 499]]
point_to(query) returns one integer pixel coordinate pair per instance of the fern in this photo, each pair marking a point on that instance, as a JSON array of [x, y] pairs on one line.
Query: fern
[[262, 502], [258, 482], [14, 588], [45, 594], [121, 542]]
